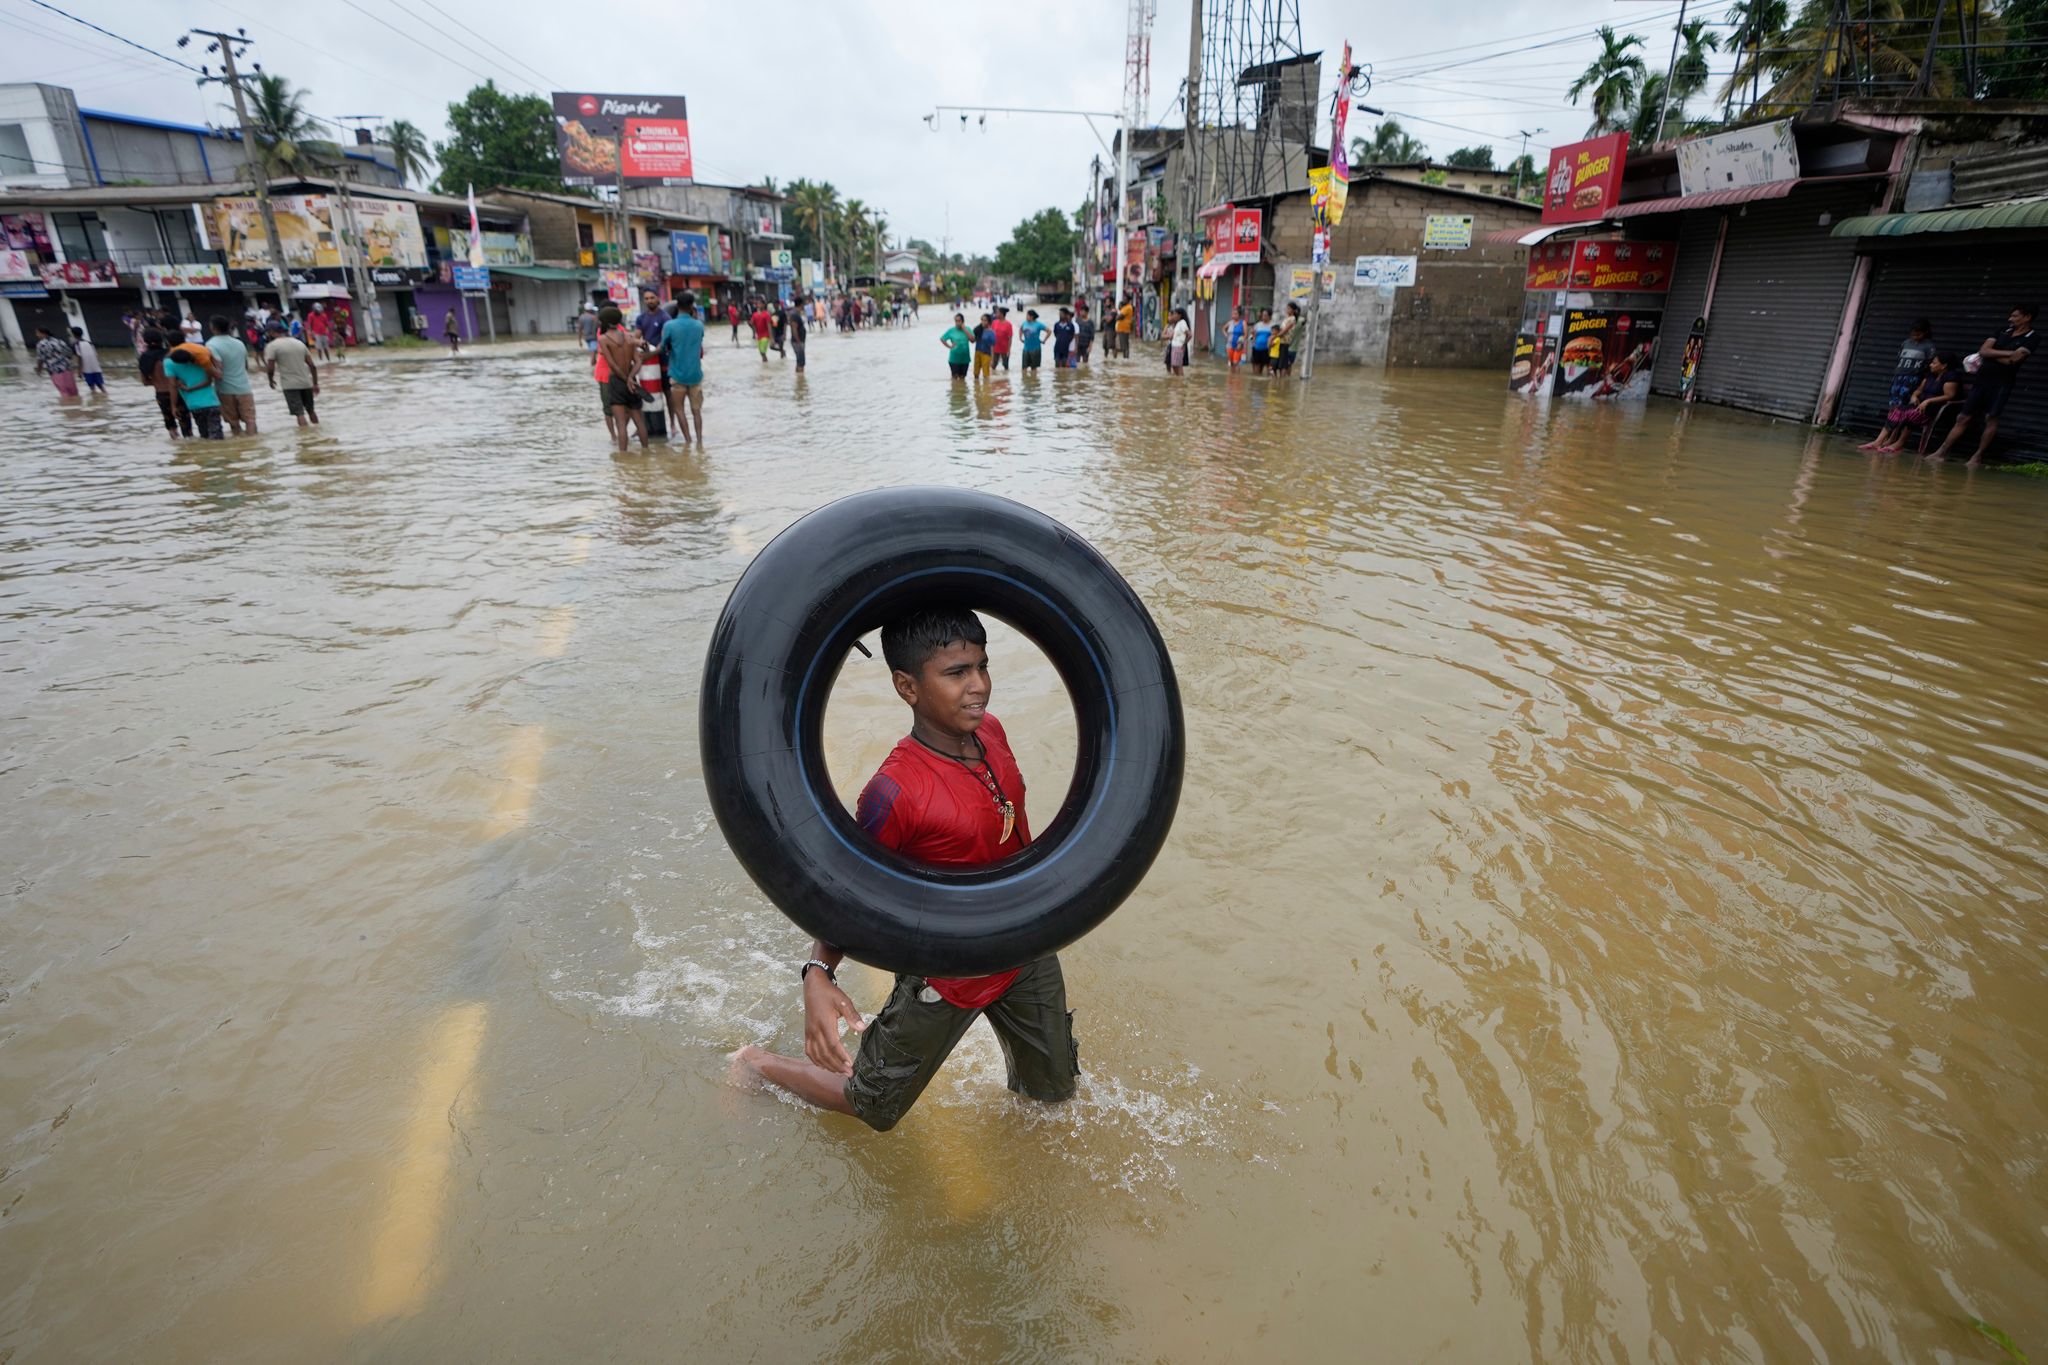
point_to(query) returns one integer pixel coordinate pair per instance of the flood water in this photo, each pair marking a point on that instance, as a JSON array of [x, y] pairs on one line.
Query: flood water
[[1604, 920]]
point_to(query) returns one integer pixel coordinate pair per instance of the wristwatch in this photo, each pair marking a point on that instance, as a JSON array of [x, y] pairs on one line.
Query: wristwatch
[[804, 973]]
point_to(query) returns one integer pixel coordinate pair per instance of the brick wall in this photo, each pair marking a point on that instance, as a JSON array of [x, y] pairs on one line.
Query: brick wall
[[1464, 307]]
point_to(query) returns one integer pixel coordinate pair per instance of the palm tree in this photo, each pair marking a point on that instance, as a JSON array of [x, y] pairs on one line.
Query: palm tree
[[1812, 58], [1689, 76], [1389, 143], [818, 205], [1614, 77], [287, 137], [853, 227], [408, 150]]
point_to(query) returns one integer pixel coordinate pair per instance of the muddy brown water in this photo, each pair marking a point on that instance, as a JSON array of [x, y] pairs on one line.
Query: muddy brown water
[[1604, 921]]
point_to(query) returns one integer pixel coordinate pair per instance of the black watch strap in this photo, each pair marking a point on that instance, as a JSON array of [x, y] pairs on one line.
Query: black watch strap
[[804, 972]]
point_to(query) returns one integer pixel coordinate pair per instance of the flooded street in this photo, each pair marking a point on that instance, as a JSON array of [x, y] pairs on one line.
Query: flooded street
[[1604, 920]]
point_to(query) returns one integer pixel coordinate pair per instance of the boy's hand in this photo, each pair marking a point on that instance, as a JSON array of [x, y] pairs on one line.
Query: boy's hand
[[824, 1006]]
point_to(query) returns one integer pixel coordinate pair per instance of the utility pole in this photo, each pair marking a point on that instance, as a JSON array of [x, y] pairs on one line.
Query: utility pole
[[226, 44], [1191, 106], [1671, 71], [366, 286], [1523, 159]]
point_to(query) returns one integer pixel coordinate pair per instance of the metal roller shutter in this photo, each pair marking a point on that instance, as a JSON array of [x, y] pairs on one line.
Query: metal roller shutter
[[1965, 290], [1696, 233], [1778, 305]]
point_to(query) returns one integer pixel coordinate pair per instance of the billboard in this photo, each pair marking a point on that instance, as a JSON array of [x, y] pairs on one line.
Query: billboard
[[1747, 156], [644, 138], [1585, 179], [690, 252], [1550, 265], [309, 229], [1634, 267], [1234, 236], [1607, 354], [25, 232]]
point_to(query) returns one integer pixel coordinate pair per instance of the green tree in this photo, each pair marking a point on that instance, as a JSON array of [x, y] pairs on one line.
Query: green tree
[[288, 140], [1389, 144], [1040, 250], [2020, 70], [813, 206], [408, 150], [1614, 78], [497, 138], [1524, 167], [1471, 158], [1881, 55]]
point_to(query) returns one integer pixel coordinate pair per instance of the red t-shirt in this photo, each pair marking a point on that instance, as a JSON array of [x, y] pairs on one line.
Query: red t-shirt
[[1004, 331], [761, 322], [939, 810]]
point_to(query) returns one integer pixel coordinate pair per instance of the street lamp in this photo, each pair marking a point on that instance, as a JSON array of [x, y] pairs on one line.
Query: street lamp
[[1523, 159]]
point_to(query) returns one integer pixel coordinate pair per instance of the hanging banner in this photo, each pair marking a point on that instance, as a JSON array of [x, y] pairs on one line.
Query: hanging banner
[[1585, 179], [1340, 164], [645, 138], [79, 275], [176, 277], [1447, 232], [1748, 156], [1607, 354], [1634, 267]]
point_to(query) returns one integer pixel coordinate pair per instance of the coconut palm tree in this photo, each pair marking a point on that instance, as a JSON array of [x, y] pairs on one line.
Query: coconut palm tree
[[1389, 143], [287, 138], [1614, 78], [1811, 58], [817, 204], [853, 228], [408, 150]]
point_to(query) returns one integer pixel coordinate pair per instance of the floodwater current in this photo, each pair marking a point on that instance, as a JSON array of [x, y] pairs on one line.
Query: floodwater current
[[1604, 920]]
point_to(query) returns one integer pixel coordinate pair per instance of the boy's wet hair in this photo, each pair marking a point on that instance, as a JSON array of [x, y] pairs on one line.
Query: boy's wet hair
[[609, 316], [909, 641]]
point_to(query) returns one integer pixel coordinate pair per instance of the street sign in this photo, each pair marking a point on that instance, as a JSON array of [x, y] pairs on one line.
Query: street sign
[[1447, 232], [471, 278], [1391, 271]]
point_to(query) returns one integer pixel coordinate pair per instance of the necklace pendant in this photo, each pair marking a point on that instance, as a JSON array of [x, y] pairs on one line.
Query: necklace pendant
[[1009, 821]]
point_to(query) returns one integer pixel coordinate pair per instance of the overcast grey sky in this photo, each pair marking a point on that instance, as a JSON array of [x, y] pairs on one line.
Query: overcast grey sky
[[837, 89]]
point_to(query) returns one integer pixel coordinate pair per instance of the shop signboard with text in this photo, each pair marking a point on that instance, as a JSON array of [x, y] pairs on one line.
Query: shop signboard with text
[[1748, 156], [1392, 272], [1447, 232], [690, 252], [310, 227], [1618, 267], [471, 279], [1237, 235], [1607, 354], [1534, 363], [1550, 265], [1585, 179], [644, 138], [176, 277]]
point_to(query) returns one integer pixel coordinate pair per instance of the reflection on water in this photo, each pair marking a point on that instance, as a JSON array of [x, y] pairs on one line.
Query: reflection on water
[[1602, 923]]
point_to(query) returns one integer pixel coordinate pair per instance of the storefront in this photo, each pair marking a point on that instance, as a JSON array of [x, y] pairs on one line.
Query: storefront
[[542, 300], [1963, 271]]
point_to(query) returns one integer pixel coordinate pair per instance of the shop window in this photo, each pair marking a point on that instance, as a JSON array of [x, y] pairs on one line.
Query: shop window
[[81, 236], [181, 243], [14, 155], [586, 237]]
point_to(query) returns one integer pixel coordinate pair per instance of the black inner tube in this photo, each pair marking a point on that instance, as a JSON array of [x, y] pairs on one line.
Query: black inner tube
[[846, 570]]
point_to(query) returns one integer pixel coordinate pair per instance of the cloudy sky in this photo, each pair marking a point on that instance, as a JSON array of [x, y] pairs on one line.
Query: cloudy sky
[[838, 89]]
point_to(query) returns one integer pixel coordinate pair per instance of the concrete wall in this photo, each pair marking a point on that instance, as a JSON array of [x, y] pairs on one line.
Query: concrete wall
[[1462, 310], [48, 117]]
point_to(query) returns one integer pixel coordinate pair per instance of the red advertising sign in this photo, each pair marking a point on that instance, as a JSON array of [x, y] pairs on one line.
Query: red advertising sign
[[1245, 226], [658, 149], [1636, 267], [1550, 265], [1585, 179]]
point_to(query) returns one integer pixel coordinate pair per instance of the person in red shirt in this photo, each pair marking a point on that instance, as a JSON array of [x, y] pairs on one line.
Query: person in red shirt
[[1004, 330], [950, 794], [762, 322]]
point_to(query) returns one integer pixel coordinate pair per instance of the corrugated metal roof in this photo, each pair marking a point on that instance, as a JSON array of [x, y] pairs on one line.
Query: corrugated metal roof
[[1527, 236], [1710, 199], [2017, 213]]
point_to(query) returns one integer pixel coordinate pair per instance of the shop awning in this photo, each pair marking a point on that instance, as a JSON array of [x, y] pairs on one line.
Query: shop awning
[[544, 272], [2016, 213], [1211, 269], [1528, 236], [1710, 199], [319, 291]]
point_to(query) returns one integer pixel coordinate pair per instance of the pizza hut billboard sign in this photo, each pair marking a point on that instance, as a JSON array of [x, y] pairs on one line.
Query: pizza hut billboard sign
[[1585, 179], [645, 136]]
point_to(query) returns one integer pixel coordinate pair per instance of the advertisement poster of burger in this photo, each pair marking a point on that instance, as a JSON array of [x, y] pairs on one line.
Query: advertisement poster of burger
[[1623, 267], [645, 136], [1550, 265], [1535, 361], [1585, 179], [1607, 354]]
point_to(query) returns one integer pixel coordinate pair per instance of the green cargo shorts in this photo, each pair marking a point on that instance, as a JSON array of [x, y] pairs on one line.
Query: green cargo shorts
[[903, 1046]]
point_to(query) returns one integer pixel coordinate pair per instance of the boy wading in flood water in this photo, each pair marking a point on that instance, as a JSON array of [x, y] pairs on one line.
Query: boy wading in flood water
[[950, 794]]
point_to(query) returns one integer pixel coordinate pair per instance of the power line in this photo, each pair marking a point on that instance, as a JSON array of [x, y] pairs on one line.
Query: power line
[[517, 78], [411, 39], [45, 4], [550, 81]]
